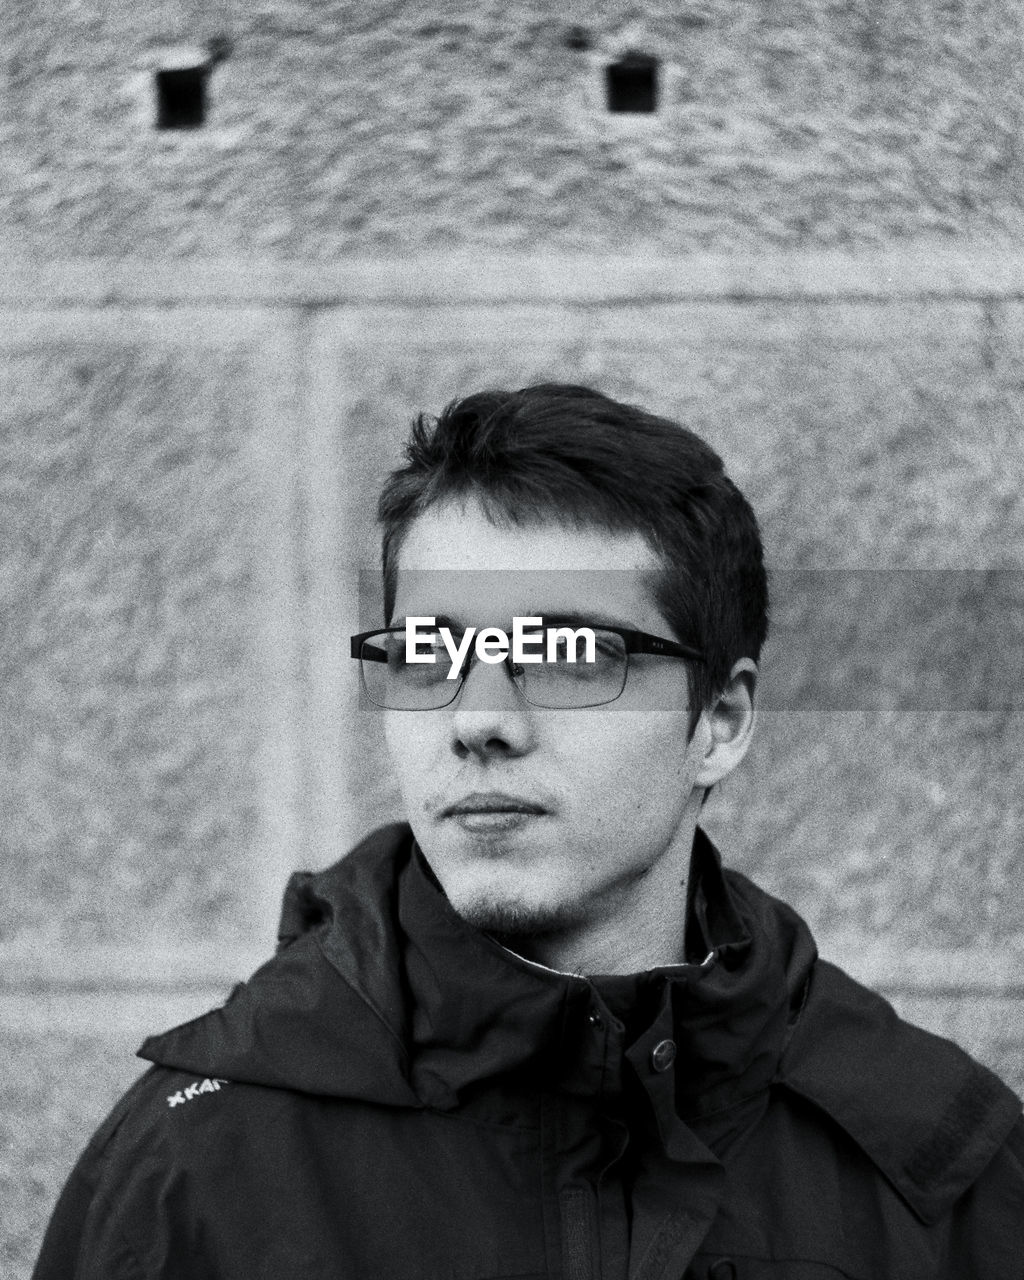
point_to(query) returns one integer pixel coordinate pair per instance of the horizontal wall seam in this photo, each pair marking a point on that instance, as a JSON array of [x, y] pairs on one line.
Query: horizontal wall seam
[[341, 302], [432, 280]]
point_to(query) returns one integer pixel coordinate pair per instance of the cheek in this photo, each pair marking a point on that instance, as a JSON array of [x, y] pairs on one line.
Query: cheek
[[632, 751], [658, 775], [411, 746]]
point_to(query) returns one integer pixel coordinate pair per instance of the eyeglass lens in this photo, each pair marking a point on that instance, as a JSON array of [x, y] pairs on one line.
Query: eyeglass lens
[[563, 677]]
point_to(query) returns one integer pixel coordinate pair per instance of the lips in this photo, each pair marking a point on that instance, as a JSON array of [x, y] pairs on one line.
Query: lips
[[492, 802]]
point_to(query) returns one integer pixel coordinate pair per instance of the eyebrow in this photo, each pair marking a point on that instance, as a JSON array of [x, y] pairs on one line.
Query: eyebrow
[[440, 620], [563, 618], [574, 619]]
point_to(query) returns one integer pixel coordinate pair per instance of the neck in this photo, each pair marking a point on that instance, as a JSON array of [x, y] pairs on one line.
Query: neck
[[641, 926]]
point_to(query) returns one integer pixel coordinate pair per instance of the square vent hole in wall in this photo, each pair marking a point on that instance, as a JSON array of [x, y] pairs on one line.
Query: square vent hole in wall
[[181, 97], [182, 83], [631, 84]]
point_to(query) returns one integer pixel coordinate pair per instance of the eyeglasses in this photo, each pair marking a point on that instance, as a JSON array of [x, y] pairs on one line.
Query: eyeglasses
[[561, 679]]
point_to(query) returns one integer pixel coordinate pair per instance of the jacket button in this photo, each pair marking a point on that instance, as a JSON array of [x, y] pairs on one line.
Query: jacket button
[[723, 1269], [663, 1055]]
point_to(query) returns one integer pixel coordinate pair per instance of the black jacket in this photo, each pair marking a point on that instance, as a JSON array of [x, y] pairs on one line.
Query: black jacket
[[396, 1096]]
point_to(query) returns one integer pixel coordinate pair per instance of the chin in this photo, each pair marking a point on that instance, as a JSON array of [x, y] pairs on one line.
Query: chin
[[512, 918]]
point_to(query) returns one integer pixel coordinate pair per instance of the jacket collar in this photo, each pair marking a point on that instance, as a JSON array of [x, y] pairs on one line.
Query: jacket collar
[[479, 1010], [382, 991]]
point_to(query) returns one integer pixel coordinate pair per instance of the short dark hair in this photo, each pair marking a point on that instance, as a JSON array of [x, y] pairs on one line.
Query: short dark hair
[[565, 454]]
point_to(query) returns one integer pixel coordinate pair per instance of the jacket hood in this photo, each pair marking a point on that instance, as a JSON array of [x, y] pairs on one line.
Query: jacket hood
[[380, 992]]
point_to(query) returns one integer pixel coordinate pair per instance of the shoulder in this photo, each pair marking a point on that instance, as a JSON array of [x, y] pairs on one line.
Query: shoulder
[[109, 1199], [172, 1118], [935, 1122], [151, 1173], [158, 1127]]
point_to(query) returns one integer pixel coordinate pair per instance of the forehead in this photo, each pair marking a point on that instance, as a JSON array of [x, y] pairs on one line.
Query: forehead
[[455, 561]]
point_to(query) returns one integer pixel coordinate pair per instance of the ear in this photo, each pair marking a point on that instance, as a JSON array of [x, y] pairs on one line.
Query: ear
[[727, 725]]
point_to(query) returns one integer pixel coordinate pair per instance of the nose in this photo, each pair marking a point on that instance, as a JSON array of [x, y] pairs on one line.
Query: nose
[[492, 720]]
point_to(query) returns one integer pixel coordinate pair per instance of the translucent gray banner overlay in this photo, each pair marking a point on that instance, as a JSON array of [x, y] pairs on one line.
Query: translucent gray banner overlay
[[844, 640]]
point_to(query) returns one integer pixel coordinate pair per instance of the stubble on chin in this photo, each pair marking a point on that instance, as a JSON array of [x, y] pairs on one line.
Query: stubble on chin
[[511, 920]]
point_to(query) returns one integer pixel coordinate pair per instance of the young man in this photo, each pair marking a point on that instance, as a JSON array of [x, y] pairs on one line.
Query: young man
[[539, 1032]]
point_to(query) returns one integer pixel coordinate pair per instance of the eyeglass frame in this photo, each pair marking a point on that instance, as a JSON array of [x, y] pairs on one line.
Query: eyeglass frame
[[633, 642]]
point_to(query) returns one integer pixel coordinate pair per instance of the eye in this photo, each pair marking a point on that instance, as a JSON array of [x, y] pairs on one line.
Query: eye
[[534, 639], [427, 642]]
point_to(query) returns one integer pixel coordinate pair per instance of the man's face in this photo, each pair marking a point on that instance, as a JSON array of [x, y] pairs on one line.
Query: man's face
[[533, 819]]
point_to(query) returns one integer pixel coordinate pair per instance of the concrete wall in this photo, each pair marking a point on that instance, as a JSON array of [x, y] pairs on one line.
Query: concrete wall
[[188, 458], [342, 127], [140, 677], [211, 342]]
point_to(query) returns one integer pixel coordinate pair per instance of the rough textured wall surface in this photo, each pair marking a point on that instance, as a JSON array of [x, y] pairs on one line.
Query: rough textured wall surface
[[127, 792], [341, 126]]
